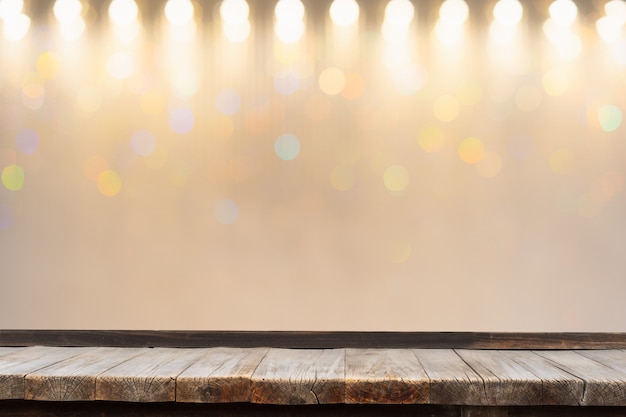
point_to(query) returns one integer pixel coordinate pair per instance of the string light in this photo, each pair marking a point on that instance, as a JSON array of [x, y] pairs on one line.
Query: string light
[[235, 23], [289, 25], [179, 12], [344, 12]]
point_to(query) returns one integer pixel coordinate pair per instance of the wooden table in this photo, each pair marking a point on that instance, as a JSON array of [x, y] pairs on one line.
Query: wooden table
[[267, 380]]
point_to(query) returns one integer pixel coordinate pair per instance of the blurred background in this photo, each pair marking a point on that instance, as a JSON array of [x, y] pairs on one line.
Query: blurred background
[[315, 165]]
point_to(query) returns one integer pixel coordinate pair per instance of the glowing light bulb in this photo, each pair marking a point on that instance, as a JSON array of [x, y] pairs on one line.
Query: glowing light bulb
[[508, 12], [67, 11], [234, 11], [399, 12], [179, 12], [289, 10], [123, 12], [289, 32], [617, 10], [16, 27], [609, 29], [9, 9], [563, 12], [344, 12], [454, 12]]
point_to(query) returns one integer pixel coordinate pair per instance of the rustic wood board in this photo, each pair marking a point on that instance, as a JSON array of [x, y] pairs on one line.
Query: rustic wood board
[[506, 382], [7, 350], [615, 359], [14, 366], [300, 376], [74, 379], [148, 377], [220, 375], [385, 376], [603, 385], [558, 387], [452, 381]]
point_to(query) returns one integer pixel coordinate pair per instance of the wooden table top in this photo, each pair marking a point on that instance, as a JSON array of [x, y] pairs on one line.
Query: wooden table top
[[315, 376]]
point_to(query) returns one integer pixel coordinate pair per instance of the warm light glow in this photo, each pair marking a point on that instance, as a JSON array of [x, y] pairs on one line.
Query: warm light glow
[[609, 29], [73, 29], [399, 12], [67, 11], [344, 12], [454, 12], [179, 12], [123, 12], [563, 12], [508, 12], [289, 26], [10, 9], [16, 27], [234, 11], [289, 10], [616, 9]]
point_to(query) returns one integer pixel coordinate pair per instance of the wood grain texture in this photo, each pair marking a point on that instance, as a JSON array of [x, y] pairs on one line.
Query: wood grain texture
[[14, 366], [220, 375], [505, 381], [148, 377], [385, 376], [313, 340], [452, 381], [615, 359], [558, 387], [604, 385], [74, 379], [300, 376], [7, 350]]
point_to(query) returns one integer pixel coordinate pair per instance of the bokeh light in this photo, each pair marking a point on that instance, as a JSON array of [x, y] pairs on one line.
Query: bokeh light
[[289, 25], [235, 23], [332, 81], [228, 102], [143, 142], [14, 27], [109, 183], [123, 12], [226, 211], [13, 177], [27, 141], [431, 139], [287, 147], [179, 12], [67, 11], [555, 82], [563, 12], [396, 178], [471, 150], [181, 120], [9, 9], [344, 12], [508, 12], [48, 65], [610, 117]]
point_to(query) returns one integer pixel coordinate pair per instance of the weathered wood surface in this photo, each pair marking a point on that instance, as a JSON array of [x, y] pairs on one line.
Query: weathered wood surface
[[305, 376], [74, 379], [604, 385], [313, 340], [148, 377], [558, 386], [615, 359], [5, 350], [505, 381], [14, 366], [385, 376], [220, 375], [452, 380]]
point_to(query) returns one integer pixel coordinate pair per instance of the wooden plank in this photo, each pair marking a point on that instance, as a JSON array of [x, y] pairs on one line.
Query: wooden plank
[[313, 340], [74, 379], [452, 381], [14, 366], [220, 375], [558, 387], [300, 376], [148, 377], [385, 376], [505, 381], [615, 359], [603, 385], [7, 350]]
